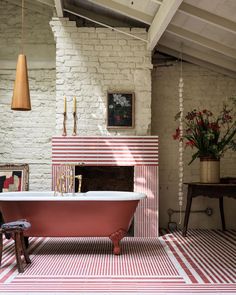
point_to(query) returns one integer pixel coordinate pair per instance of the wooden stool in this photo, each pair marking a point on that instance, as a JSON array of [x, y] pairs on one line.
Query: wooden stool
[[16, 230]]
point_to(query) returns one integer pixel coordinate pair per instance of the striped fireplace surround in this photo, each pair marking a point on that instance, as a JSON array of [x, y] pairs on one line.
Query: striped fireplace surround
[[141, 152]]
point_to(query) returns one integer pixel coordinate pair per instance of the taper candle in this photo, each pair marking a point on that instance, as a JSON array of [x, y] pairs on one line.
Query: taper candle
[[64, 104], [74, 101]]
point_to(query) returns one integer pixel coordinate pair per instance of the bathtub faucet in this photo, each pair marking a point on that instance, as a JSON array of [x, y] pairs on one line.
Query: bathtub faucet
[[62, 185], [79, 177]]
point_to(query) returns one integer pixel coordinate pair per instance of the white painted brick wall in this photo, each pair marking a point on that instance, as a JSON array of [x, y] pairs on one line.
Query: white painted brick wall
[[25, 137], [202, 89], [90, 62]]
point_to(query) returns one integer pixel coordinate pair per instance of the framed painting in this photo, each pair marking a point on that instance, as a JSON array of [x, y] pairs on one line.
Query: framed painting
[[120, 110], [14, 177]]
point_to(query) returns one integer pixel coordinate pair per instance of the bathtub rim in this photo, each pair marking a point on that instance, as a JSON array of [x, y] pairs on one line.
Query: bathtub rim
[[88, 196]]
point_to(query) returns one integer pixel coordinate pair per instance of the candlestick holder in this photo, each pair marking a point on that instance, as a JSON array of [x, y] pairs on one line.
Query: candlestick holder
[[64, 125], [75, 124]]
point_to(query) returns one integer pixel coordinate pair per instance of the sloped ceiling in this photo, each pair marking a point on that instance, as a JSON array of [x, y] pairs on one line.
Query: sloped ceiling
[[203, 31]]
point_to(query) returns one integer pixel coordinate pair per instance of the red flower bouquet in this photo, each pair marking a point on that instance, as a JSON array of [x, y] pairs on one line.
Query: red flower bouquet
[[211, 135]]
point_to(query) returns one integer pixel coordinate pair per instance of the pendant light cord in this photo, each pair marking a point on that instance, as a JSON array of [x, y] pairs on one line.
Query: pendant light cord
[[22, 26]]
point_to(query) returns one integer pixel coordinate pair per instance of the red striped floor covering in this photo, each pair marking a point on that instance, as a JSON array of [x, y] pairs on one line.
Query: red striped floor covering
[[204, 262]]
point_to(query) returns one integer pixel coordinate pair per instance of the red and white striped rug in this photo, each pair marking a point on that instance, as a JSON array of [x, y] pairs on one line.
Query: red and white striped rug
[[204, 262]]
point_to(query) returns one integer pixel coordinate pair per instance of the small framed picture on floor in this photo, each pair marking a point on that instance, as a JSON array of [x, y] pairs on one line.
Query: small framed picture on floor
[[120, 110]]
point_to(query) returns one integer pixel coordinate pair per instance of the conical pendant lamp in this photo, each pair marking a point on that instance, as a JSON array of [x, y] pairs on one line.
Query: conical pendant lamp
[[21, 94]]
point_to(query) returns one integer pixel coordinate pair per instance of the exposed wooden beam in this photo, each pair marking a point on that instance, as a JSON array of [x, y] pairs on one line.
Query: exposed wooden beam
[[203, 41], [59, 7], [124, 10], [196, 61], [161, 20], [208, 17], [209, 57]]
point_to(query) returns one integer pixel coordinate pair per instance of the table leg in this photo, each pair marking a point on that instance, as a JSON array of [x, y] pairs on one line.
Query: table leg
[[1, 219], [187, 211], [26, 240], [1, 246], [221, 203]]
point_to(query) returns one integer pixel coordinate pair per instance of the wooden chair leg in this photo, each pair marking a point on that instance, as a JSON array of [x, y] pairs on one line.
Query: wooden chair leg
[[18, 250], [1, 247], [25, 253]]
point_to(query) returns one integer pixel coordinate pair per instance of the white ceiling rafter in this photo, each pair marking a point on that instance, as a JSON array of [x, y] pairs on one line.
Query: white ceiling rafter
[[161, 20], [59, 8], [208, 17], [124, 10], [211, 57], [196, 61], [203, 41]]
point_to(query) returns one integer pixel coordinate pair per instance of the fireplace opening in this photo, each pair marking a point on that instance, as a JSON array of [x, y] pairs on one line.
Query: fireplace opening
[[106, 178], [95, 178]]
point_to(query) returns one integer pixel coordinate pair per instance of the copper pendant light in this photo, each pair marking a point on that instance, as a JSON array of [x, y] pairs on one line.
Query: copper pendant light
[[21, 94]]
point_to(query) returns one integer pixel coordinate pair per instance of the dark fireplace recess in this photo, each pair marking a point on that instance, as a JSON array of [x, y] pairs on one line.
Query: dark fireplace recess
[[106, 178]]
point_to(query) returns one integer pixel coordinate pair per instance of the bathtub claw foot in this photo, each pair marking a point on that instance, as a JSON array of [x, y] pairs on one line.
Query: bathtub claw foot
[[116, 237]]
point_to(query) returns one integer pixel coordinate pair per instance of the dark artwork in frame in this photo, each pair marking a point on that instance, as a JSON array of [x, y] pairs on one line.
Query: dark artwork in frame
[[120, 110], [14, 177]]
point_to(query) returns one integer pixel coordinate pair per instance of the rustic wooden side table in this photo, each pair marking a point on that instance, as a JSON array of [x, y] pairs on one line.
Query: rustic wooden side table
[[211, 190]]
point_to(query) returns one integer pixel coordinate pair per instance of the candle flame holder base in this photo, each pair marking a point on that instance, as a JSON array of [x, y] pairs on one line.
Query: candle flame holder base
[[75, 124], [64, 125]]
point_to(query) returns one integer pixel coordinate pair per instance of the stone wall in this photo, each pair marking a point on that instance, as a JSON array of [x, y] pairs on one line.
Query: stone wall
[[92, 61], [202, 89], [25, 137]]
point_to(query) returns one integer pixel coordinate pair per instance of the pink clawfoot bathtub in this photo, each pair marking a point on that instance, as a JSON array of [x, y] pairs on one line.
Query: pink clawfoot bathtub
[[91, 214]]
